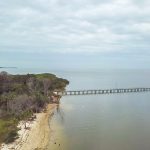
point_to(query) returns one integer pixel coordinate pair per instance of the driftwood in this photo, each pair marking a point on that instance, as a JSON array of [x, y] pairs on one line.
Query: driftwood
[[32, 118]]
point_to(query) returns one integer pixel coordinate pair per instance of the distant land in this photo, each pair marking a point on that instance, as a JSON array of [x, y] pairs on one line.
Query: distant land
[[9, 67]]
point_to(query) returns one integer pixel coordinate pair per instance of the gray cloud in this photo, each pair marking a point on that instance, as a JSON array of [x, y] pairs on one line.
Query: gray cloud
[[75, 25]]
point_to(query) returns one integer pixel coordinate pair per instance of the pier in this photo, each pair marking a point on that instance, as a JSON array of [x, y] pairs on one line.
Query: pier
[[100, 91]]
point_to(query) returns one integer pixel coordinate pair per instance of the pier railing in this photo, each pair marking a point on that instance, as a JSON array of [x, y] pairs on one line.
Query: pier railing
[[100, 91]]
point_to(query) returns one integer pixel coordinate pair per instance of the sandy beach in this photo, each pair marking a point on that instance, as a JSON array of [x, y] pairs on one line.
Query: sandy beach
[[38, 134]]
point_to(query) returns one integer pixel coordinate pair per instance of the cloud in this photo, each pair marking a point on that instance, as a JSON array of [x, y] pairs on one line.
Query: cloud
[[103, 26]]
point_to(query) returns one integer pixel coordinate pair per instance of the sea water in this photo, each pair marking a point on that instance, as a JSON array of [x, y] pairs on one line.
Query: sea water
[[105, 122]]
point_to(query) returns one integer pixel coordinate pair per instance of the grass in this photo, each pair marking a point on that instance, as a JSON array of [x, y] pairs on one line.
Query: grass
[[45, 75], [8, 130]]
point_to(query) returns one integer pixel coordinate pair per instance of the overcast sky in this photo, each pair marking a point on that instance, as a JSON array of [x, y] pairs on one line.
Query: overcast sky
[[75, 33]]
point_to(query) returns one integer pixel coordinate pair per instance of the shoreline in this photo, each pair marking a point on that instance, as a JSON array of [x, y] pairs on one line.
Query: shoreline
[[37, 135]]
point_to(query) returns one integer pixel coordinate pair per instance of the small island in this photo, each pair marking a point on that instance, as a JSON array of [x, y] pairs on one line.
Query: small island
[[21, 96]]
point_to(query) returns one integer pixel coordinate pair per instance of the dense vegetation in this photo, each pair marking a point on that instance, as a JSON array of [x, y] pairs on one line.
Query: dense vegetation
[[23, 95]]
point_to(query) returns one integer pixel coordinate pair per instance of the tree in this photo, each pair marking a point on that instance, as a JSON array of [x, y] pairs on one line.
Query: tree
[[46, 86]]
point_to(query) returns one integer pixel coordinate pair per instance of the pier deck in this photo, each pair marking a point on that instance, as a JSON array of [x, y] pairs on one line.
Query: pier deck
[[100, 91]]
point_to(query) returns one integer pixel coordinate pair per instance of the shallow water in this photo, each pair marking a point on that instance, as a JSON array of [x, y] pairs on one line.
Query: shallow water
[[105, 122]]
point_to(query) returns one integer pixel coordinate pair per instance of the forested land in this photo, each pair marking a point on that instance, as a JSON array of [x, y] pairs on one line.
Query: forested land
[[23, 95]]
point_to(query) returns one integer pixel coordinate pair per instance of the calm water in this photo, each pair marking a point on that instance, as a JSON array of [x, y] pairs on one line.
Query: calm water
[[105, 122]]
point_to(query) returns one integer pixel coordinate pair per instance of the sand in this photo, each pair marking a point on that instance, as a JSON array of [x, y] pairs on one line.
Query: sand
[[38, 134]]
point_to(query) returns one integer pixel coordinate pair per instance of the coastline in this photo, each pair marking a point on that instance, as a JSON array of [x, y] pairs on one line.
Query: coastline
[[37, 135]]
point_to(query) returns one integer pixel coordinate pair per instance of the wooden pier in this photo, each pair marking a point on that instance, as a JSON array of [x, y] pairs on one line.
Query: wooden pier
[[106, 91]]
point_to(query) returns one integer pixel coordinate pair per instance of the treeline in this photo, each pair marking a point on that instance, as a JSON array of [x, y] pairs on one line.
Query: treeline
[[23, 95]]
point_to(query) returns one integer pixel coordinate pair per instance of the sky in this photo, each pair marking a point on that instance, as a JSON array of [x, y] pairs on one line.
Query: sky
[[64, 34]]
